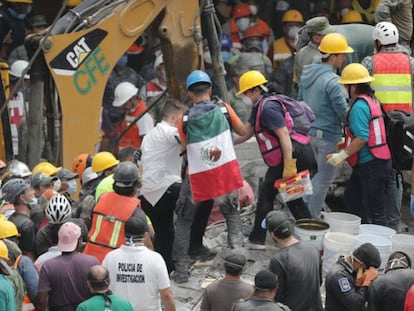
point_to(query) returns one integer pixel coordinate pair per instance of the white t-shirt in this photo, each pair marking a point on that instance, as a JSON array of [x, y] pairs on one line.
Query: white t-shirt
[[161, 161], [145, 124], [137, 274]]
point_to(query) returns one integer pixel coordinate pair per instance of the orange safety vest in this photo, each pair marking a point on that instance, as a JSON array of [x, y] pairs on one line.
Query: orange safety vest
[[108, 220], [393, 81], [27, 303], [131, 138]]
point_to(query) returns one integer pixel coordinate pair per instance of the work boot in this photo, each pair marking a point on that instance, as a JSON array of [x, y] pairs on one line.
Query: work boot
[[180, 274], [202, 254]]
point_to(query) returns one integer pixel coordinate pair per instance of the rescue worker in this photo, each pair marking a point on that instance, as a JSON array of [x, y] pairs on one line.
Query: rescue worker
[[69, 185], [393, 71], [388, 291], [267, 121], [80, 163], [319, 88], [126, 98], [45, 167], [157, 85], [113, 210], [365, 149], [348, 280], [8, 301], [104, 164]]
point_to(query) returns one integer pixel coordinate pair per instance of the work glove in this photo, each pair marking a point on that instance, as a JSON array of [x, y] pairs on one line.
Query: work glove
[[336, 159], [412, 205], [360, 278], [370, 274], [289, 168]]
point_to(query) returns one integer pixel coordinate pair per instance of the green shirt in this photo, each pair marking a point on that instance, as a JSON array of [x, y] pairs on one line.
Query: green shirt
[[106, 185], [97, 302]]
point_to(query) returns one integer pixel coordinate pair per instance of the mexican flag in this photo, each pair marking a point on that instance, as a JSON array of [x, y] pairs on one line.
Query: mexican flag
[[212, 165]]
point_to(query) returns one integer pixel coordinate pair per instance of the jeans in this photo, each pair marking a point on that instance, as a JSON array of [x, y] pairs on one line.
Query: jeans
[[186, 211], [365, 191], [324, 177], [393, 199]]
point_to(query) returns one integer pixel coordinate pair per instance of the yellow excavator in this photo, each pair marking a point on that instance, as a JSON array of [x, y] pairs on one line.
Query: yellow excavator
[[71, 63]]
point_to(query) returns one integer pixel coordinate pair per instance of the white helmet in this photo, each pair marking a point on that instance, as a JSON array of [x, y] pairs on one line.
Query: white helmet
[[124, 92], [18, 169], [17, 68], [58, 210], [386, 33], [88, 175]]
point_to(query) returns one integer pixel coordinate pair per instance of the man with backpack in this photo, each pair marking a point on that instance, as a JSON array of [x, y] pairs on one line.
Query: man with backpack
[[213, 170], [393, 71], [319, 88], [280, 146]]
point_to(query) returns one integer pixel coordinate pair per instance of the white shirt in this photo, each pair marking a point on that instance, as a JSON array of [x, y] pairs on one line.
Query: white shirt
[[161, 161], [145, 124], [137, 274]]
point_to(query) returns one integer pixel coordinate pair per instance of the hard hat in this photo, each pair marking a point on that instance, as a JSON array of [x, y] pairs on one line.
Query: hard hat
[[73, 3], [81, 162], [386, 33], [241, 10], [88, 175], [351, 16], [18, 169], [126, 174], [335, 43], [250, 80], [38, 20], [45, 167], [17, 68], [4, 252], [20, 1], [64, 173], [124, 91], [102, 161], [41, 179], [354, 74], [197, 76], [293, 16], [226, 42], [58, 210], [13, 187], [8, 229], [252, 32]]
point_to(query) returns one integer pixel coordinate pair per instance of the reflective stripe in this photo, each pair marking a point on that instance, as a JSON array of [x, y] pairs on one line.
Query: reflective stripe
[[281, 56], [115, 234], [377, 131], [266, 141], [98, 227], [393, 79]]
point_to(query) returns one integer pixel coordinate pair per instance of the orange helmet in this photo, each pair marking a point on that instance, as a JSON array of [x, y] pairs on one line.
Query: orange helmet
[[252, 32], [241, 10], [81, 162]]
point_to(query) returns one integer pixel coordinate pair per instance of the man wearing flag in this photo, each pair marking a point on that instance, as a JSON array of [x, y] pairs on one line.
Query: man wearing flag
[[213, 171]]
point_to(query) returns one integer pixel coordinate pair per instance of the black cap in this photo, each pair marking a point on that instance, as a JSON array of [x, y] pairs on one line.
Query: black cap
[[279, 223], [368, 254], [136, 226], [235, 260], [266, 280]]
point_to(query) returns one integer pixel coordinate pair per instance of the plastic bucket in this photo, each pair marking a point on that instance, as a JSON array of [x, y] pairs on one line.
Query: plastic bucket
[[334, 245], [377, 230], [342, 222], [403, 243], [383, 245], [311, 230]]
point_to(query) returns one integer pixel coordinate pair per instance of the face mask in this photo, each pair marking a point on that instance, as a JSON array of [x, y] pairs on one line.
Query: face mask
[[292, 32], [243, 23], [72, 187], [122, 61], [207, 57], [253, 8], [57, 184], [247, 100], [225, 55]]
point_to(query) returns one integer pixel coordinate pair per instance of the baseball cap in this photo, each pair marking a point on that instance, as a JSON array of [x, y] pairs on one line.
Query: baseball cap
[[235, 260], [69, 234], [277, 222], [136, 226], [368, 254], [64, 173], [319, 25], [266, 280], [41, 179]]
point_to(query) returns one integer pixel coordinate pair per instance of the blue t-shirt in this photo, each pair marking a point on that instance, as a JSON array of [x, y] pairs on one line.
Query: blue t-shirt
[[273, 116], [359, 117]]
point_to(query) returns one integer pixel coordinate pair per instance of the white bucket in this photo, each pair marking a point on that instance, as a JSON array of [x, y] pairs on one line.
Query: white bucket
[[342, 222], [377, 230], [311, 230], [404, 243], [334, 245], [383, 245]]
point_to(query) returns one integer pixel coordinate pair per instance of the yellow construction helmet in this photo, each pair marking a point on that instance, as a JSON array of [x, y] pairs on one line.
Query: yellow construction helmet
[[293, 16], [102, 161], [4, 252], [73, 3], [335, 43], [251, 79], [351, 17], [20, 1], [45, 167], [8, 229], [355, 74]]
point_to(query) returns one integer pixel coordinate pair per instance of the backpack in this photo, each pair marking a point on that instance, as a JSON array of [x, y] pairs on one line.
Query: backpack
[[400, 138]]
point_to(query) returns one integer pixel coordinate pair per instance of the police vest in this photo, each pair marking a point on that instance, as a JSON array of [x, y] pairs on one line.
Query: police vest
[[377, 141], [132, 137], [108, 220], [27, 303], [393, 81]]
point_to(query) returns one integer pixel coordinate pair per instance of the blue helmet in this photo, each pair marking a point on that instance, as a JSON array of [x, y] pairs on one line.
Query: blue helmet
[[226, 42], [197, 76]]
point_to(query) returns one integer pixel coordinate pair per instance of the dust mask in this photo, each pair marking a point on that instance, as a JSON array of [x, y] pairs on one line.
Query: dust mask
[[243, 23]]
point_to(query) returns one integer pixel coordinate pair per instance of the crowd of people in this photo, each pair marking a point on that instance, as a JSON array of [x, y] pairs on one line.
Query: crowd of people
[[137, 221]]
